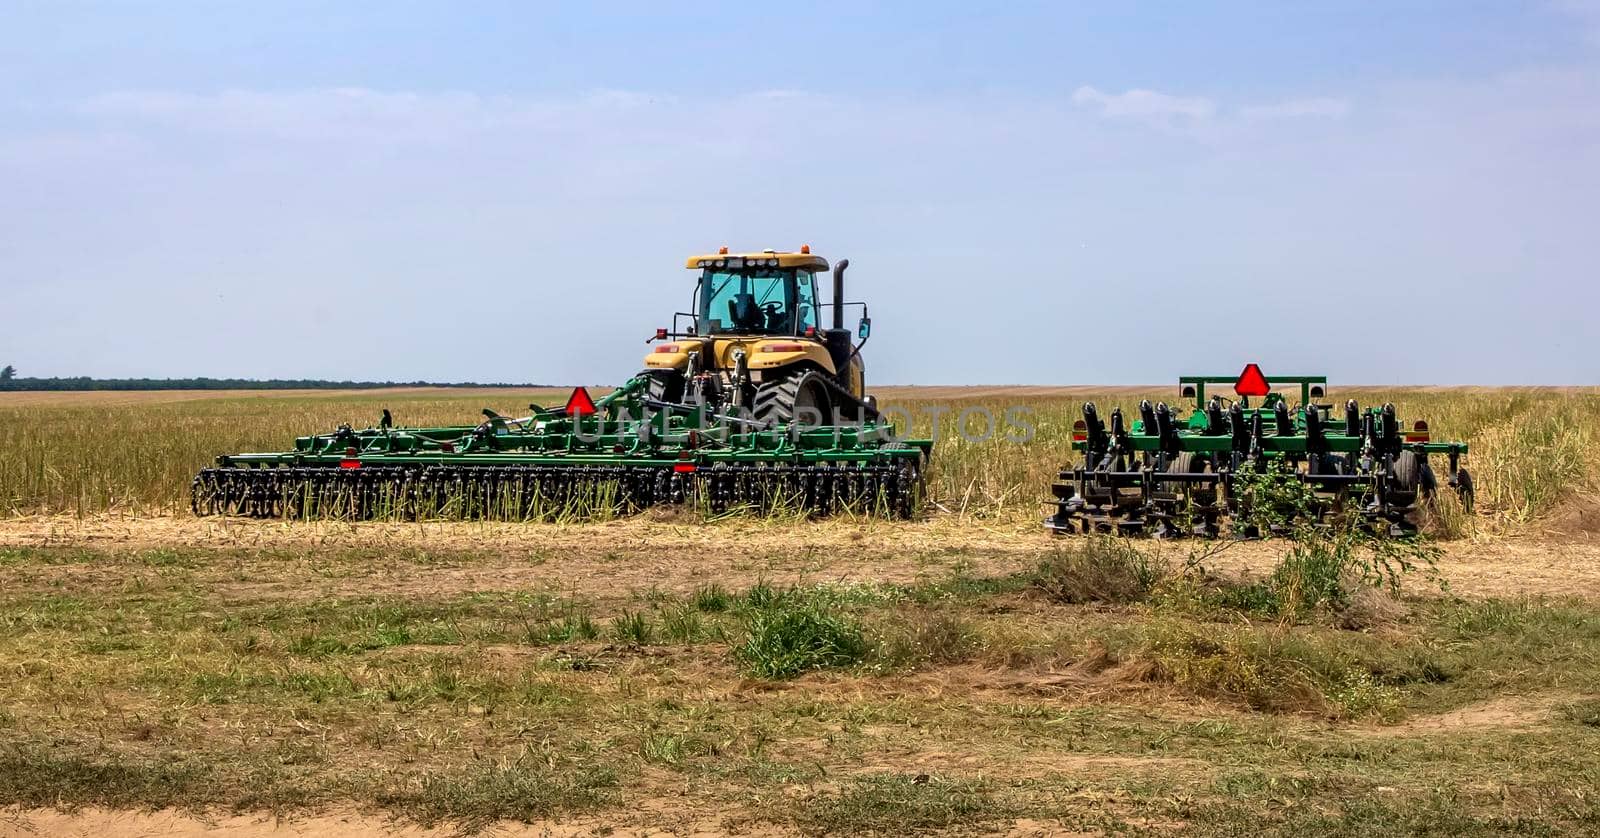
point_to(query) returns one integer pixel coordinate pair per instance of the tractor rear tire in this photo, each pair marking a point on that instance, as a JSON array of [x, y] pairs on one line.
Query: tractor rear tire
[[802, 395]]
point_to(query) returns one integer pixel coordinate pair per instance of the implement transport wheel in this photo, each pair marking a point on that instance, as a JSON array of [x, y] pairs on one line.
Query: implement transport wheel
[[800, 396], [1189, 462], [1407, 480]]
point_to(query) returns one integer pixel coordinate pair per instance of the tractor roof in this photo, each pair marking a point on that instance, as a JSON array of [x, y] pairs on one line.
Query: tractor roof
[[784, 260]]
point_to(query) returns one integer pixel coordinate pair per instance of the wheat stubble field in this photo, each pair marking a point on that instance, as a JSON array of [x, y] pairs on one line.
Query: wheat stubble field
[[963, 673]]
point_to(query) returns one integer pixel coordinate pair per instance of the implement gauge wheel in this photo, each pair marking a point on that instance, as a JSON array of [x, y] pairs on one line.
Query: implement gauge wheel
[[1407, 479], [1189, 462]]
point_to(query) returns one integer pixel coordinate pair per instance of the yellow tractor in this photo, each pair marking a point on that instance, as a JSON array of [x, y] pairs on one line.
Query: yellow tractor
[[757, 342]]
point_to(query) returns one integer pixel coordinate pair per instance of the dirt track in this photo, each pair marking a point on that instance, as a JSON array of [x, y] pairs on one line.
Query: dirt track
[[635, 554]]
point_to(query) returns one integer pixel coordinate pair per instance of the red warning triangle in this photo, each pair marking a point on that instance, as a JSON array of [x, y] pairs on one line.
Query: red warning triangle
[[579, 403], [1251, 382]]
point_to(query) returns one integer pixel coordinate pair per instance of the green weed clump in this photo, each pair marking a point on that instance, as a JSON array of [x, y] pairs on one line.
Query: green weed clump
[[712, 598], [787, 633], [633, 627], [571, 624], [682, 624]]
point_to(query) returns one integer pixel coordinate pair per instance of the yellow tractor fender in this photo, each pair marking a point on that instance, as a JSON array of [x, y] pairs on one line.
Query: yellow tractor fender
[[762, 354]]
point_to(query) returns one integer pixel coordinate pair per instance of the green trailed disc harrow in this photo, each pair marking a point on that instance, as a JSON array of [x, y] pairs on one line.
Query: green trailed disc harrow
[[1168, 475], [617, 455]]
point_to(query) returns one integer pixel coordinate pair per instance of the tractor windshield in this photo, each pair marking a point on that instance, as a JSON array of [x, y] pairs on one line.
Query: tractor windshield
[[756, 301]]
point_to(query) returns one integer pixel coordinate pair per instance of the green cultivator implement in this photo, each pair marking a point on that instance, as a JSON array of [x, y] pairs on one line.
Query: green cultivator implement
[[1169, 475], [617, 455]]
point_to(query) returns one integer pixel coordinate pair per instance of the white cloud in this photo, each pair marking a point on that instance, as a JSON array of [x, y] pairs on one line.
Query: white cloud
[[1324, 106], [1145, 104], [1168, 110]]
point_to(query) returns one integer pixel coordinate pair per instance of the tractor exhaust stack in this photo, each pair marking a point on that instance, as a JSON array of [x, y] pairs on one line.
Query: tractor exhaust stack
[[838, 293]]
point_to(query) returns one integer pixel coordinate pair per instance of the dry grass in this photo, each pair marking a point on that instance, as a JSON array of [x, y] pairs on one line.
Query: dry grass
[[302, 679], [1533, 448]]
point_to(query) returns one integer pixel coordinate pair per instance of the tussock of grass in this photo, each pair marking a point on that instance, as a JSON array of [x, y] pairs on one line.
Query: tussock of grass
[[572, 624], [633, 627], [1098, 569], [1284, 670], [925, 639], [682, 624], [787, 634], [712, 598], [1363, 812]]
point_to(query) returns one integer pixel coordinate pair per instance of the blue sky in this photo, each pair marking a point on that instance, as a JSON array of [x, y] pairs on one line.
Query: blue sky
[[1028, 193]]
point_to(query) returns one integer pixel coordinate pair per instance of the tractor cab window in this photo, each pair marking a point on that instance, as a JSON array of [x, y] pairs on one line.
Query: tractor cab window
[[754, 301], [805, 305]]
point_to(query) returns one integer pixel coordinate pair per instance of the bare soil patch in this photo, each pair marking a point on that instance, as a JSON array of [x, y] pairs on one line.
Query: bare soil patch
[[111, 823], [1578, 517], [1500, 713], [638, 553]]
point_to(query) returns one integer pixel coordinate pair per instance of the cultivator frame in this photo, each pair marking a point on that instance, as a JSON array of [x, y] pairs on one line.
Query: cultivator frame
[[1168, 476], [615, 455]]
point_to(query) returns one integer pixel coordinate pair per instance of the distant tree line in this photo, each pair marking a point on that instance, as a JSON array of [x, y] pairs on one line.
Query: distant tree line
[[10, 381]]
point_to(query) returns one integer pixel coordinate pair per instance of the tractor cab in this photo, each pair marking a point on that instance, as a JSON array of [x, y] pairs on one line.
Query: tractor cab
[[757, 295]]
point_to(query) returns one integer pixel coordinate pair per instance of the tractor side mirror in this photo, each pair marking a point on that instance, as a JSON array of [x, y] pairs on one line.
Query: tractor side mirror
[[864, 328]]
